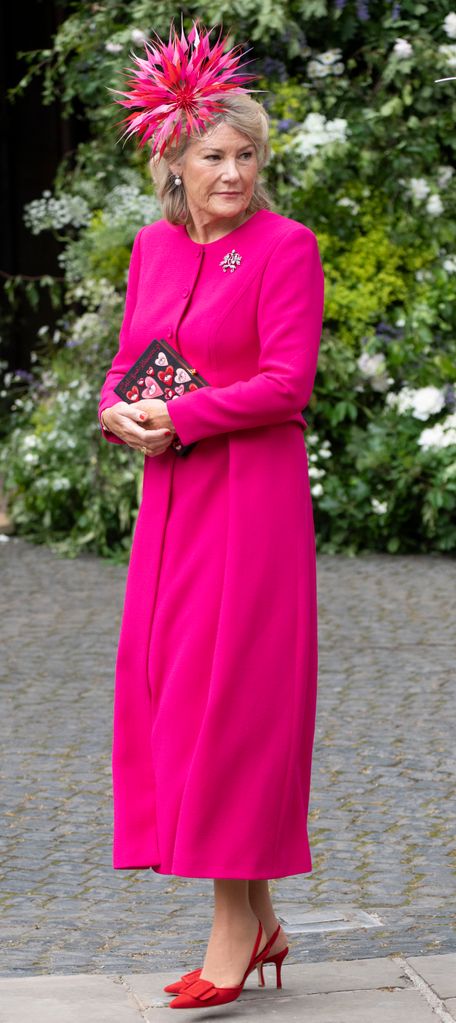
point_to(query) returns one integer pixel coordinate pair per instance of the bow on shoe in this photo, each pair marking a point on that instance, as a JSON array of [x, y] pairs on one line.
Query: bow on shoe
[[201, 989]]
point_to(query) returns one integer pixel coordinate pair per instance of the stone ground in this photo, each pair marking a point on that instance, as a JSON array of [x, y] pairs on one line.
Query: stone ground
[[382, 821]]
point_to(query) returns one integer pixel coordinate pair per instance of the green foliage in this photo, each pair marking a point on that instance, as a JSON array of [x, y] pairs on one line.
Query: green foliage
[[363, 149]]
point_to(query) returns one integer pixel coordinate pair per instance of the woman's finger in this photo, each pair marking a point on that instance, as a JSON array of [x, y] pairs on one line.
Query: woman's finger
[[151, 441]]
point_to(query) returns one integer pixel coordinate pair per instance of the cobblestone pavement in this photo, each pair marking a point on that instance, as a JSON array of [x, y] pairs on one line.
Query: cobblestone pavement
[[383, 794]]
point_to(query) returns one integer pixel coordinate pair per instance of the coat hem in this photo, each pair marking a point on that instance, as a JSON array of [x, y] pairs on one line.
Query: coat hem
[[220, 872]]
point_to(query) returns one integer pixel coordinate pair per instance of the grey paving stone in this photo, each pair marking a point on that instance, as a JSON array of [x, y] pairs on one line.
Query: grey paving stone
[[382, 815], [66, 1000], [298, 980], [438, 971], [388, 1005]]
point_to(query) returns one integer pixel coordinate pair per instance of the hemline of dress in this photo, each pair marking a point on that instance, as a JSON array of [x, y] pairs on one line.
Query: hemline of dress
[[235, 875]]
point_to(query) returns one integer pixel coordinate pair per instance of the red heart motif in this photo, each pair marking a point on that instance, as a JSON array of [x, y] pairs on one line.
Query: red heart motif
[[133, 395], [166, 375], [192, 387], [150, 371], [168, 393]]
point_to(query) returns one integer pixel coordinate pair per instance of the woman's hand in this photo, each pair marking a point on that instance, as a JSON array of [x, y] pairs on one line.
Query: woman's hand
[[156, 412], [140, 426]]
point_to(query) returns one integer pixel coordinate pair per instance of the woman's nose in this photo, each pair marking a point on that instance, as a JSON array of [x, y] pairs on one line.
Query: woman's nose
[[230, 170]]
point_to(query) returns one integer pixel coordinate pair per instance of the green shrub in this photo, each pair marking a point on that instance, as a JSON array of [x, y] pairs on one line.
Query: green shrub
[[362, 152]]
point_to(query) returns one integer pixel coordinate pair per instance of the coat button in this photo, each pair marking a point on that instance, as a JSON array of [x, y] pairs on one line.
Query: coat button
[[186, 292]]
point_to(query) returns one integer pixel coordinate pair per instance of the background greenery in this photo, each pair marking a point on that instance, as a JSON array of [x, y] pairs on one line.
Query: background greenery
[[363, 153]]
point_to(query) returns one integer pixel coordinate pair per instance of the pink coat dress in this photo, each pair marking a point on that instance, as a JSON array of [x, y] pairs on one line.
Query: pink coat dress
[[216, 671]]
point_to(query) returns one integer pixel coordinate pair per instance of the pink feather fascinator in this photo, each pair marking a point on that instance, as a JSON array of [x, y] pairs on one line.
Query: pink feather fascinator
[[179, 84]]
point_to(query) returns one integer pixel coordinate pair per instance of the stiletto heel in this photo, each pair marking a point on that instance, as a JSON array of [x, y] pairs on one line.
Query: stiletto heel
[[260, 975], [278, 960]]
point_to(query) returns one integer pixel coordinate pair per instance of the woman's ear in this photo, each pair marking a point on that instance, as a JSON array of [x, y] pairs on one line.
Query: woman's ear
[[175, 168]]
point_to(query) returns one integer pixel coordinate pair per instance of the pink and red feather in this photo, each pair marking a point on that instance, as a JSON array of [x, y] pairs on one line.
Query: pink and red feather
[[179, 84]]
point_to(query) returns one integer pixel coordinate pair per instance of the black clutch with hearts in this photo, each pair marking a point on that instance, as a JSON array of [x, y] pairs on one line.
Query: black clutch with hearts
[[160, 372]]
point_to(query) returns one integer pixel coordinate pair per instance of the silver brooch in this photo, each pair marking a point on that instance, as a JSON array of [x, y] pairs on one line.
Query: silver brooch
[[230, 261]]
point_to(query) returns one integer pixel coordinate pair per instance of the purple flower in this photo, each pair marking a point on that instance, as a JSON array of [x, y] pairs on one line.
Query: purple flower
[[340, 4], [362, 9], [273, 68], [73, 342], [396, 12], [386, 332], [24, 375], [450, 397], [285, 124]]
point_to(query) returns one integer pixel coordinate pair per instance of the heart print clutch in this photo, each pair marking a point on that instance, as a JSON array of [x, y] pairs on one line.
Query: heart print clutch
[[160, 372]]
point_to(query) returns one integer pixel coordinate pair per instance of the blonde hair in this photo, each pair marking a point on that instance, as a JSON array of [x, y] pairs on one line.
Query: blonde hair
[[249, 118]]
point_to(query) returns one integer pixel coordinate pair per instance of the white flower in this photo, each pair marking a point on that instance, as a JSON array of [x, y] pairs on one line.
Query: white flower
[[55, 213], [434, 205], [400, 322], [449, 25], [112, 47], [324, 453], [30, 441], [422, 403], [379, 507], [127, 203], [371, 365], [427, 401], [30, 458], [450, 265], [324, 64], [316, 490], [349, 203], [61, 483], [448, 51], [402, 48], [137, 36], [418, 188], [315, 131], [442, 435], [444, 175], [315, 122], [315, 473], [330, 56]]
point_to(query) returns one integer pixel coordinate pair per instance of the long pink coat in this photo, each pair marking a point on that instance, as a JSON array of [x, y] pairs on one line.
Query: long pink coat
[[216, 673]]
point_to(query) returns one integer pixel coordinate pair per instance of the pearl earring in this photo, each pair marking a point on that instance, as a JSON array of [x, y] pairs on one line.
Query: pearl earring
[[177, 180]]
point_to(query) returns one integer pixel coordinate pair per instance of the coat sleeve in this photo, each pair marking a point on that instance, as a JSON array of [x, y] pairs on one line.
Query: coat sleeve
[[122, 360], [290, 315]]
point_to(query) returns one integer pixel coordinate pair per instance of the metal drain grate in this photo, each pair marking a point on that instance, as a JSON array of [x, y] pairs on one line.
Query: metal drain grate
[[336, 918]]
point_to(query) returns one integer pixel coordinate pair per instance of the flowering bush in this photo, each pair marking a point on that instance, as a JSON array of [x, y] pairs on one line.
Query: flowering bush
[[362, 152]]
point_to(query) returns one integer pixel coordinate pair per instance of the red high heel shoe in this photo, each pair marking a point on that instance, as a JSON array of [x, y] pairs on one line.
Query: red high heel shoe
[[201, 994], [188, 978]]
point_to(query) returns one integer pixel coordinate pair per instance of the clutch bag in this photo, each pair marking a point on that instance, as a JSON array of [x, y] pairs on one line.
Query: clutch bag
[[160, 372]]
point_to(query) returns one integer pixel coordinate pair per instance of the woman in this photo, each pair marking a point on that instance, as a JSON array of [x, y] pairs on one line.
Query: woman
[[216, 669]]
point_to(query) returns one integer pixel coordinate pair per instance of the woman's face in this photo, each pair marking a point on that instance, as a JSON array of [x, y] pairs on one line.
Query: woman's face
[[218, 173]]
